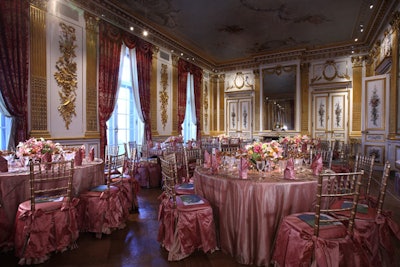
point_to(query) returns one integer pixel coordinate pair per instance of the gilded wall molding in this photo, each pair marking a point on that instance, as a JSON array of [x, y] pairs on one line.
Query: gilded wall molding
[[40, 4], [163, 95], [66, 76], [205, 105], [92, 26], [38, 71]]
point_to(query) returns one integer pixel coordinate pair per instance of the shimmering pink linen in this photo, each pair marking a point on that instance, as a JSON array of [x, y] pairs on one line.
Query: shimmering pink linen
[[375, 233], [186, 228], [102, 211], [14, 189], [248, 211], [295, 244], [148, 174], [52, 227]]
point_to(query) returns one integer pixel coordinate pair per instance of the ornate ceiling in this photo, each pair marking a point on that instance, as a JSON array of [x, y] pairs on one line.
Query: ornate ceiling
[[226, 33]]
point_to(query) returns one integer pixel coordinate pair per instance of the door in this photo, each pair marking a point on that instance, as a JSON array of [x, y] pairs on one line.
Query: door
[[330, 116], [375, 119], [239, 118]]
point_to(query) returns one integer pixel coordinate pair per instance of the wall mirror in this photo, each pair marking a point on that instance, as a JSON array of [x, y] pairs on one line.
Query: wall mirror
[[279, 98]]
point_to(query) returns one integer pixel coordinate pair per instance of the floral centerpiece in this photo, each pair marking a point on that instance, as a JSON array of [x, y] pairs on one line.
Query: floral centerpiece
[[36, 148], [264, 151], [297, 146]]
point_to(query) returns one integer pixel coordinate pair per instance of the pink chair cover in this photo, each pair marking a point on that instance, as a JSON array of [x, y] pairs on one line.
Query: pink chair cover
[[317, 165], [184, 229], [295, 244], [375, 232], [102, 212], [289, 172], [51, 227], [148, 174]]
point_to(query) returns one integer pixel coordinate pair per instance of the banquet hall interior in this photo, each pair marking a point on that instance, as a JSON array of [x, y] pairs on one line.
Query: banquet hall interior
[[274, 95]]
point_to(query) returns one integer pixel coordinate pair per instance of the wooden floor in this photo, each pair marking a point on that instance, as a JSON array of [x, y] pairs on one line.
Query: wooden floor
[[136, 245]]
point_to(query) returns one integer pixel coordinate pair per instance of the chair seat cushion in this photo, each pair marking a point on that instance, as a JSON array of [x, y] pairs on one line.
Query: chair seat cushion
[[364, 211], [98, 190], [304, 222], [191, 202], [45, 205], [184, 189]]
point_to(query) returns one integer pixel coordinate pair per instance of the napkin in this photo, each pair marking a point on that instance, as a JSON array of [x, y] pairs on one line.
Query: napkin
[[243, 168], [78, 157], [289, 170], [207, 159], [215, 162], [3, 164], [83, 151], [91, 154], [316, 165]]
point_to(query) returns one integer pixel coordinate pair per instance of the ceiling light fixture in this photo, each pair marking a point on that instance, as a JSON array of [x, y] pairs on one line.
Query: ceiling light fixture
[[371, 6], [131, 28], [356, 40], [145, 33]]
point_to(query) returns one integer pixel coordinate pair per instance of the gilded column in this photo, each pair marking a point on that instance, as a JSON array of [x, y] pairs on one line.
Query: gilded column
[[92, 24], [357, 96], [154, 114], [175, 60], [394, 76], [257, 107], [38, 79], [304, 94], [221, 104], [212, 103]]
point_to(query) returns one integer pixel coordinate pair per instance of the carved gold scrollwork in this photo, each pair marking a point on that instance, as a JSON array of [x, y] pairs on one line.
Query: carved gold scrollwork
[[205, 105], [66, 76], [164, 95]]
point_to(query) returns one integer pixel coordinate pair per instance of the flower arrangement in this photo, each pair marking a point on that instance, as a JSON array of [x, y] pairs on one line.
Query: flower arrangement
[[37, 147], [262, 151], [296, 146]]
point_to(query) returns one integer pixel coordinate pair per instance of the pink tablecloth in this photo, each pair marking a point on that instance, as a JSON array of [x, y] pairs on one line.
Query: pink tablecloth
[[249, 211], [14, 189]]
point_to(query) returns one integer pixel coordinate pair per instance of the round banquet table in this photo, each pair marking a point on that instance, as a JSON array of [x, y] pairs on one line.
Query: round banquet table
[[14, 189], [248, 211]]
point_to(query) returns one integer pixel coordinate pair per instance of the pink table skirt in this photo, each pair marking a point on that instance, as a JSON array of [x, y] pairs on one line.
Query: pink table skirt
[[14, 189], [249, 211]]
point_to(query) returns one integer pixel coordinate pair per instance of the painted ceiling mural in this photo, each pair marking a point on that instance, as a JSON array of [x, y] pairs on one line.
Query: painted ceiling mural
[[229, 30]]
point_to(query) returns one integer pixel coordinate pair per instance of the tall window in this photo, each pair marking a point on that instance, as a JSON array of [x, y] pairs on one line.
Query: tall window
[[189, 126], [126, 123], [5, 128]]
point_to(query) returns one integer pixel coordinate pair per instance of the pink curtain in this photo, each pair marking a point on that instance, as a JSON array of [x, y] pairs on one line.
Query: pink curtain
[[183, 68], [144, 54], [109, 58], [14, 62]]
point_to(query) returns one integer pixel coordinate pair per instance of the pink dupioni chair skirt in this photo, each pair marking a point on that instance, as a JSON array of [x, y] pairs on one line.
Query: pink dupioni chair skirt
[[297, 246], [185, 229], [51, 227]]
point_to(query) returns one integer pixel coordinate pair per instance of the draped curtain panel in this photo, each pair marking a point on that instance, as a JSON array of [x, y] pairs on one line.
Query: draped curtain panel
[[109, 59], [144, 55], [183, 68], [14, 63]]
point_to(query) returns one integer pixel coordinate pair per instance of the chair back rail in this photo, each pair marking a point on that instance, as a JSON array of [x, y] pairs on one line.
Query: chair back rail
[[332, 186], [49, 180]]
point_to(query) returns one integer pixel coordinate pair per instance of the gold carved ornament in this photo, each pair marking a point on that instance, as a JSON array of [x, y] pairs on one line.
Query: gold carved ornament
[[65, 75], [164, 95]]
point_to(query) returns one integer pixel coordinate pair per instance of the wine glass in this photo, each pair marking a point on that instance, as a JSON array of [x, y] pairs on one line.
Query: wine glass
[[260, 164]]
